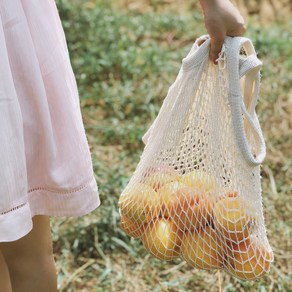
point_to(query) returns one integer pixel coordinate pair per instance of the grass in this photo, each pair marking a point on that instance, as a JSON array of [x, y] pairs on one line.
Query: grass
[[124, 61]]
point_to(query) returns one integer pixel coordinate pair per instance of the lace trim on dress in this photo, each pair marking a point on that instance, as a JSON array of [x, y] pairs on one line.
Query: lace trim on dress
[[57, 191], [13, 209]]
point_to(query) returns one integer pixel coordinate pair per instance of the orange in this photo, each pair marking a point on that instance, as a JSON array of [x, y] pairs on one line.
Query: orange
[[131, 227], [139, 203], [158, 179], [203, 249], [187, 209], [249, 261], [231, 219], [162, 239]]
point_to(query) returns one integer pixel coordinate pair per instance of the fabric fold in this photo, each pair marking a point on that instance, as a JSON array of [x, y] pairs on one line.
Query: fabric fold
[[44, 153]]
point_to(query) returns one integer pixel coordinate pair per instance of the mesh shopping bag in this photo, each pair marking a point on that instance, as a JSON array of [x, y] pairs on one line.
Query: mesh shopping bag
[[196, 191]]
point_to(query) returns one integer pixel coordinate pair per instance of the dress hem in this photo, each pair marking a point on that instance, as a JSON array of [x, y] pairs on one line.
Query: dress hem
[[18, 222]]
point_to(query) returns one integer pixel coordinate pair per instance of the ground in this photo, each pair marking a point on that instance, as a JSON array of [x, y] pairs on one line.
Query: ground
[[125, 55]]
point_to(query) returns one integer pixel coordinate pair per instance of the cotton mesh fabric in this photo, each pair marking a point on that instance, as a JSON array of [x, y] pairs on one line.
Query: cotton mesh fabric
[[45, 161], [196, 192]]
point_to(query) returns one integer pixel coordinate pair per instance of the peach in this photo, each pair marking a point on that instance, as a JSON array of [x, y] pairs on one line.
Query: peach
[[187, 209], [231, 219], [249, 261], [139, 203], [201, 181], [203, 249], [158, 179], [131, 227], [162, 239]]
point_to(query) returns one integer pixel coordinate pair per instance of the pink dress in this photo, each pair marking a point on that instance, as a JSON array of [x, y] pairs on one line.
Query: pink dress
[[45, 163]]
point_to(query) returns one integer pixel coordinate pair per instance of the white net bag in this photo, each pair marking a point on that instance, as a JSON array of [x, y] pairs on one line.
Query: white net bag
[[196, 192]]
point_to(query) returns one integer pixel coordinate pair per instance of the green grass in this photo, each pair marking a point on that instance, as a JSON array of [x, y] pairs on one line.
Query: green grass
[[124, 62]]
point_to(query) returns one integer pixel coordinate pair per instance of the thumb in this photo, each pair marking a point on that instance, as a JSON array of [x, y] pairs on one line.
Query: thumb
[[216, 46]]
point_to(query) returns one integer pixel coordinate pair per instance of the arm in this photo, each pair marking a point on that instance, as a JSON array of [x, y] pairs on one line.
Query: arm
[[221, 19]]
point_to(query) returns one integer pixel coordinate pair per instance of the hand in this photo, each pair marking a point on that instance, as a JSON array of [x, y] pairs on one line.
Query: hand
[[221, 19]]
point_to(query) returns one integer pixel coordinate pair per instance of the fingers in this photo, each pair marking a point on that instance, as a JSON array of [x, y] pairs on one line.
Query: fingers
[[216, 46], [218, 37], [221, 19], [239, 30]]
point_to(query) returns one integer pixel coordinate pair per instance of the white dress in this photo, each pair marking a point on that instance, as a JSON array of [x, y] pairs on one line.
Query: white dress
[[45, 163]]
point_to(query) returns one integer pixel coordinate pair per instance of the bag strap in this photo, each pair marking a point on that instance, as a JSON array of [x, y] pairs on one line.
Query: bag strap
[[244, 104]]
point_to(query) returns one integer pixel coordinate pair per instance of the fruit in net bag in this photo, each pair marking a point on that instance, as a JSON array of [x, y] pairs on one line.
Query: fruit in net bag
[[139, 203], [188, 209], [159, 176], [207, 122], [132, 228], [248, 260], [201, 181], [203, 249], [231, 218], [162, 239]]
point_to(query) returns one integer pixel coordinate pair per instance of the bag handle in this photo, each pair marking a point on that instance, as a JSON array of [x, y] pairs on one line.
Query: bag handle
[[249, 68]]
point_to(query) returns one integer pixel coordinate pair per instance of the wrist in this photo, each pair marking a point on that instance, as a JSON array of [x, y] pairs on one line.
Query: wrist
[[208, 4]]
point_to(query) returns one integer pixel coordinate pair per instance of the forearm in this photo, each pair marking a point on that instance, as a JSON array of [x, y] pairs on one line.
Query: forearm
[[205, 4]]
